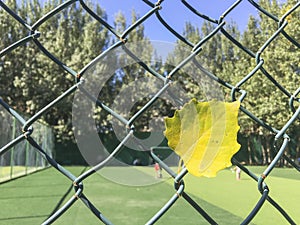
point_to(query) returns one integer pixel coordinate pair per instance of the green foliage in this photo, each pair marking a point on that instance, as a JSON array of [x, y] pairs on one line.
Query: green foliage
[[29, 83], [131, 86], [29, 80], [232, 64]]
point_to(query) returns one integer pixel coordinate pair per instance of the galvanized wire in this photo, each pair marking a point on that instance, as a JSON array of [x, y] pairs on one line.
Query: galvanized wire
[[236, 89]]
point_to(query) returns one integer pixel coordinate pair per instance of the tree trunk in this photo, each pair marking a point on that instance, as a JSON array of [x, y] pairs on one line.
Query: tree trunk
[[263, 151], [249, 151]]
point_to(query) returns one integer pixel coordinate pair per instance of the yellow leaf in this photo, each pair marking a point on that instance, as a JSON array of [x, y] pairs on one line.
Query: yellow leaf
[[204, 135], [285, 10]]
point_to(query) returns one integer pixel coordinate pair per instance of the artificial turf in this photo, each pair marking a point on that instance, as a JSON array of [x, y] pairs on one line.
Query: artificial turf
[[31, 199]]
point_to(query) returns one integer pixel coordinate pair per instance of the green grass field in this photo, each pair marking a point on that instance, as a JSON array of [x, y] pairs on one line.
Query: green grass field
[[31, 199]]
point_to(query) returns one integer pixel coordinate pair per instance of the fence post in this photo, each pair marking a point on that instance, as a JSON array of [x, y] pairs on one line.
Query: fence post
[[13, 148]]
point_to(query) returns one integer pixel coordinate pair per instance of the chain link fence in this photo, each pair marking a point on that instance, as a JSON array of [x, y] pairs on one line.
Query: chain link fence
[[236, 89], [22, 159]]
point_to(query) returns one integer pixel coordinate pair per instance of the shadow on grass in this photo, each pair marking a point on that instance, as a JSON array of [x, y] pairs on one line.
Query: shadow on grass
[[23, 217], [29, 196], [63, 198], [220, 215]]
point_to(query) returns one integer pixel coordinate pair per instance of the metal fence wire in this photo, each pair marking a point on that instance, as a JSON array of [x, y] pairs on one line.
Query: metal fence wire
[[22, 159], [281, 137]]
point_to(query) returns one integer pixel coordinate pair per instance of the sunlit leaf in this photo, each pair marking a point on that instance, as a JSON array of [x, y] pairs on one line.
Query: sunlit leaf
[[204, 135]]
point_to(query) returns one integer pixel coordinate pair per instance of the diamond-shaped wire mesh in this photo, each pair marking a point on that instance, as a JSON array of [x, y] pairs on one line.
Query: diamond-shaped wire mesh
[[237, 92]]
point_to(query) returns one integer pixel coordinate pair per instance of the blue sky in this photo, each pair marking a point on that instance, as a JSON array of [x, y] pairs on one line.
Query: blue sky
[[176, 14]]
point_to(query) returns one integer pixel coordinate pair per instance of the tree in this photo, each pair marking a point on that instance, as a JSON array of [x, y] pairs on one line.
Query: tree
[[72, 36], [230, 63], [129, 76], [10, 64]]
